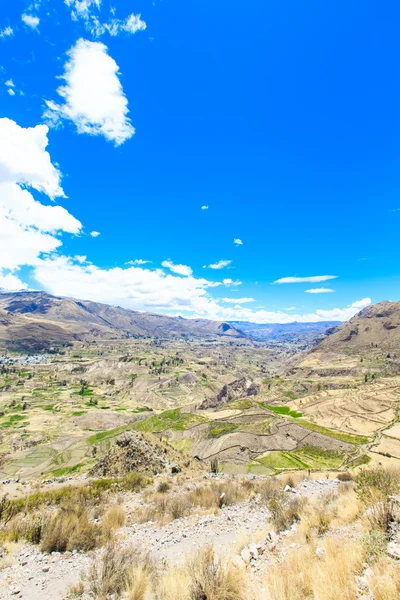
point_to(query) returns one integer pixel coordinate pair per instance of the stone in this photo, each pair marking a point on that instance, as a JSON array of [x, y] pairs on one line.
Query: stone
[[393, 550], [246, 555]]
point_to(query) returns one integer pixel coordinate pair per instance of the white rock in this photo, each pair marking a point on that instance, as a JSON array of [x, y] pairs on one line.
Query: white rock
[[393, 549], [246, 555]]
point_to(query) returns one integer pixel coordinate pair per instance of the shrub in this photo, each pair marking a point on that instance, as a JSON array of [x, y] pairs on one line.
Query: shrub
[[109, 575], [212, 579], [113, 519], [269, 489], [377, 482], [375, 545], [70, 529], [285, 512], [163, 487], [346, 476], [382, 514], [134, 481]]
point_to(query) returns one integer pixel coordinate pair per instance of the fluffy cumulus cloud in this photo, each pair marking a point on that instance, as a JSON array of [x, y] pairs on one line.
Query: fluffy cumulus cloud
[[28, 228], [178, 269], [238, 242], [93, 96], [89, 12], [94, 234], [30, 20], [132, 287], [204, 207], [312, 279]]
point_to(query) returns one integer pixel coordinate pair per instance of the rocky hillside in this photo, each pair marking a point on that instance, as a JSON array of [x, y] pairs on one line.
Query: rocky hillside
[[376, 326], [38, 320], [368, 342]]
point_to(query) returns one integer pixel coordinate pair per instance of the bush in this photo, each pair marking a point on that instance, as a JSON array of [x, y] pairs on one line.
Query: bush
[[117, 571], [346, 476], [382, 514], [375, 545], [285, 512], [163, 487], [378, 482], [134, 481], [70, 529], [212, 579], [270, 489]]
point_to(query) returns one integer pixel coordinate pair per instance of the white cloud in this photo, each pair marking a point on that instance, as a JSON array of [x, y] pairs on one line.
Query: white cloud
[[11, 282], [30, 20], [23, 158], [94, 234], [204, 207], [154, 290], [238, 242], [28, 228], [290, 308], [179, 269], [221, 264], [89, 12], [228, 282], [238, 300], [321, 290], [93, 96], [312, 279], [138, 261], [132, 287], [10, 83], [6, 32], [11, 91]]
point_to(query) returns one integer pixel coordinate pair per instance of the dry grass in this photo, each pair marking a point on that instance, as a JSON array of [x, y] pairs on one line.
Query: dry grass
[[113, 573], [385, 581], [377, 483], [382, 514], [133, 575], [303, 576], [214, 579], [70, 529], [113, 519], [285, 511], [165, 508]]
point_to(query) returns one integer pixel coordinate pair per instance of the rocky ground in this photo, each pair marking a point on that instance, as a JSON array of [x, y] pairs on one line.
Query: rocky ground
[[241, 530]]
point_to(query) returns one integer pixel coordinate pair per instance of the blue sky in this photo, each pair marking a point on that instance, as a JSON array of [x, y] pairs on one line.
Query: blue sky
[[281, 117]]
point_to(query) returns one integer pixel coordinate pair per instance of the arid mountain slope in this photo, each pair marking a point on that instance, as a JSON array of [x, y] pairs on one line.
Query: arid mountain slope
[[368, 342], [39, 319]]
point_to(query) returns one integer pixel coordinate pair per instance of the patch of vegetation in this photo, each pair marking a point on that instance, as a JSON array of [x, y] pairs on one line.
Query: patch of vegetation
[[74, 494], [222, 429], [79, 413], [362, 460], [170, 419], [66, 470], [308, 457], [282, 410], [101, 435], [338, 435], [243, 404], [261, 427]]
